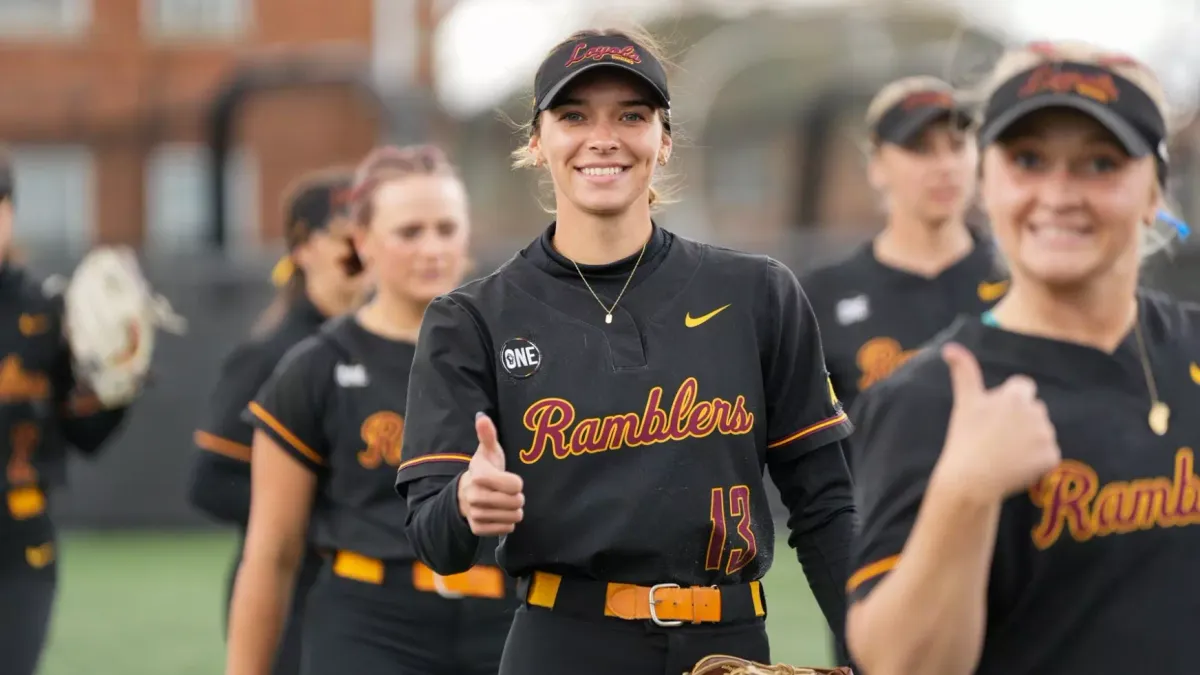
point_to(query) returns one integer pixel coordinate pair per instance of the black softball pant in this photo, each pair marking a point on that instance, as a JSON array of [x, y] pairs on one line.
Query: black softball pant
[[287, 658], [545, 642], [392, 628], [28, 582]]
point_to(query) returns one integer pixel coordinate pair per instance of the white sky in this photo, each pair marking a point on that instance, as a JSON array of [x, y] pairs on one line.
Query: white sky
[[488, 49]]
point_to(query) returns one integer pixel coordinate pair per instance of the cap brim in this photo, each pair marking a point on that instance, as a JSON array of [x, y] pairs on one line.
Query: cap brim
[[547, 101], [1133, 142], [916, 123]]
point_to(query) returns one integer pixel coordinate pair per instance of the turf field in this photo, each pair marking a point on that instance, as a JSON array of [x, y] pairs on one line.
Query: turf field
[[150, 604]]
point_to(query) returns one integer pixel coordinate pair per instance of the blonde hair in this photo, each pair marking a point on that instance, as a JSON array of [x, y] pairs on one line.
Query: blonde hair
[[1158, 235], [523, 156]]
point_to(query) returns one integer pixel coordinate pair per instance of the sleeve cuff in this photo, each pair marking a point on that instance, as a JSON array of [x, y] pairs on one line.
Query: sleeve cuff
[[437, 464], [287, 440], [221, 446], [868, 576], [816, 435], [460, 526]]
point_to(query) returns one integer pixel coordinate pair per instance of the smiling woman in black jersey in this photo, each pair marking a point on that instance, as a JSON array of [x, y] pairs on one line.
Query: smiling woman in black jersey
[[327, 441], [631, 388], [1028, 486]]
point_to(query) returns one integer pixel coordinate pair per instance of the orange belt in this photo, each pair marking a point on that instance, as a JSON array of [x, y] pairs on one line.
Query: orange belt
[[664, 604], [26, 502], [480, 581]]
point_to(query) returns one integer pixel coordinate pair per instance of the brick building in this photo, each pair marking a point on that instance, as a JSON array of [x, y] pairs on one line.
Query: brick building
[[104, 104]]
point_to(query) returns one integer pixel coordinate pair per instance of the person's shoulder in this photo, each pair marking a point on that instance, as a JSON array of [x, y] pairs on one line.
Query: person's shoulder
[[723, 256], [1172, 318], [924, 378], [729, 266], [310, 356], [262, 352], [479, 292], [836, 275]]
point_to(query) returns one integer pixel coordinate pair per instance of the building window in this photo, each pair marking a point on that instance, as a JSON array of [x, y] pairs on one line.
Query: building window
[[44, 18], [54, 196], [179, 212], [196, 19]]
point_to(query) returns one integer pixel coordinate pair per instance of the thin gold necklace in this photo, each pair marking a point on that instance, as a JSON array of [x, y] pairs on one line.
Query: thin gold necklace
[[1160, 412], [609, 310]]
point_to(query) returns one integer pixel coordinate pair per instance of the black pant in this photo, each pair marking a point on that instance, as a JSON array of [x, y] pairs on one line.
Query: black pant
[[546, 642], [395, 629], [287, 659], [28, 581]]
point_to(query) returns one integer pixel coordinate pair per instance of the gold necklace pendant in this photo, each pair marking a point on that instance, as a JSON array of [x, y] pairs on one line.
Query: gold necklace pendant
[[1160, 418], [609, 310]]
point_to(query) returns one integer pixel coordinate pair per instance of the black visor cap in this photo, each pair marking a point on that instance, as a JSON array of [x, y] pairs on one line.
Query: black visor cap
[[577, 57], [903, 123], [1120, 106]]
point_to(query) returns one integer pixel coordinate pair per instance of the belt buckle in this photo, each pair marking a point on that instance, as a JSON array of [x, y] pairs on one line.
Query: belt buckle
[[654, 612], [439, 585]]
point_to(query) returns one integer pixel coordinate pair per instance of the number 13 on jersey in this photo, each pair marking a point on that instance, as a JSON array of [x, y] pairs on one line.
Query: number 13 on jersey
[[722, 514]]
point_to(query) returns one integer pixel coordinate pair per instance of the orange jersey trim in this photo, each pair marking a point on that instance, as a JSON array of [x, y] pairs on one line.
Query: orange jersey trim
[[221, 446], [277, 426], [442, 457], [869, 572], [810, 430]]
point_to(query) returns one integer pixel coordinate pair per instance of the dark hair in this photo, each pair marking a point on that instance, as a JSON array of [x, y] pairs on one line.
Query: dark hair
[[388, 163], [523, 158], [296, 231]]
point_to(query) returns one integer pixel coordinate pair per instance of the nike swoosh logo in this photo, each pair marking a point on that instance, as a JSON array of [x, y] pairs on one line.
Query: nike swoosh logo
[[992, 291], [693, 322]]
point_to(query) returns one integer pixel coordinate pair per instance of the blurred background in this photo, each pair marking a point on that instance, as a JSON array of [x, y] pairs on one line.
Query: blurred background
[[174, 126]]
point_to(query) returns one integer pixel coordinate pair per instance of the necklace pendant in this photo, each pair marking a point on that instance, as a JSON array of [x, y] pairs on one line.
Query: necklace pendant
[[608, 318], [1160, 417]]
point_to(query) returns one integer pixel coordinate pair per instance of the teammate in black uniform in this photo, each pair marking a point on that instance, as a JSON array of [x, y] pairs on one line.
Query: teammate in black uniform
[[879, 305], [327, 443], [631, 387], [42, 412], [1029, 493], [319, 278]]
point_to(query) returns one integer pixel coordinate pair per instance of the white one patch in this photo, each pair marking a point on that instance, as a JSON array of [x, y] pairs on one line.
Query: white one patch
[[853, 310], [353, 375]]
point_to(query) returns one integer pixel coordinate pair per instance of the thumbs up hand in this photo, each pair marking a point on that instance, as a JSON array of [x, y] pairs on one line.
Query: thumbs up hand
[[490, 498], [999, 441]]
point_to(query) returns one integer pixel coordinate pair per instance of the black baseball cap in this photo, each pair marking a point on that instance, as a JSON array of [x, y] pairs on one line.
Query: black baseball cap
[[577, 57], [1121, 106], [905, 108]]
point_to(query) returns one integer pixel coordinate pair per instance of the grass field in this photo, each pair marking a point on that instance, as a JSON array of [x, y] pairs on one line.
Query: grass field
[[150, 604]]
